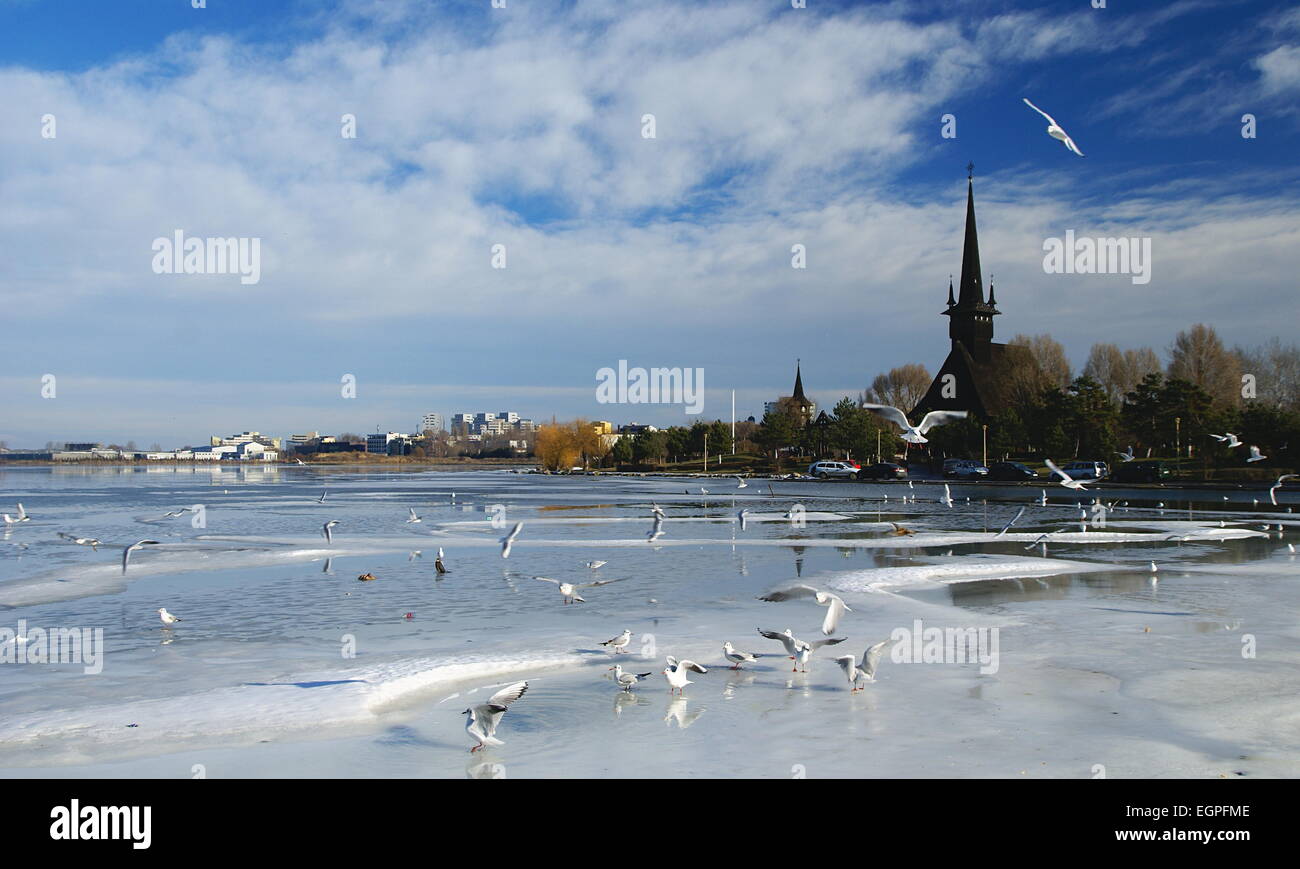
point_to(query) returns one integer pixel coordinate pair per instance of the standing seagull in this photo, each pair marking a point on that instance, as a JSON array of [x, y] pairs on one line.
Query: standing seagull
[[484, 718], [126, 553], [509, 540], [1066, 480], [676, 672], [797, 649], [437, 563], [619, 643], [835, 606], [327, 530], [627, 680], [915, 434], [737, 657], [1054, 129], [866, 672], [167, 618]]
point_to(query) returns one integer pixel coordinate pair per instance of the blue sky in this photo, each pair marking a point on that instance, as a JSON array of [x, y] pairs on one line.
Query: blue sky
[[521, 126]]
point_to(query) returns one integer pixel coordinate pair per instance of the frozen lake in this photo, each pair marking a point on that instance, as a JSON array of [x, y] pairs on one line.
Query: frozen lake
[[286, 665]]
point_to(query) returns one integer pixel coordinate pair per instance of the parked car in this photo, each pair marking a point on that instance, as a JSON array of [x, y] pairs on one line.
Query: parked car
[[883, 471], [1142, 472], [1083, 471], [827, 470], [1011, 471], [964, 469]]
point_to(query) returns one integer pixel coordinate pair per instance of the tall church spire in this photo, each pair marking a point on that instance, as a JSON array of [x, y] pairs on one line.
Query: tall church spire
[[798, 382], [970, 320], [972, 286]]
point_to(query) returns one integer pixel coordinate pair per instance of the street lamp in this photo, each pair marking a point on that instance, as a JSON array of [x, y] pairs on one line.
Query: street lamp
[[986, 445]]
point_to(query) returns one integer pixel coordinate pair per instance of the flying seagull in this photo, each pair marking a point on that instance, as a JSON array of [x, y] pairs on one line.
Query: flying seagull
[[22, 514], [484, 718], [139, 544], [1228, 439], [915, 434], [1272, 492], [509, 540], [737, 657], [835, 606], [596, 565], [741, 484], [1054, 129], [867, 671], [1128, 456], [1256, 455], [82, 541], [658, 530], [947, 496], [676, 672], [570, 589], [1012, 522], [321, 499], [1066, 480], [743, 516], [413, 518], [327, 530], [1042, 538]]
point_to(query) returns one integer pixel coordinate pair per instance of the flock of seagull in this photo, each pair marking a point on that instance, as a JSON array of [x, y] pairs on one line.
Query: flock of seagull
[[483, 720]]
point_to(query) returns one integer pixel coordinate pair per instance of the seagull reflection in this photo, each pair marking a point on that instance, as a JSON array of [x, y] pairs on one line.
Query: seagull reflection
[[677, 711]]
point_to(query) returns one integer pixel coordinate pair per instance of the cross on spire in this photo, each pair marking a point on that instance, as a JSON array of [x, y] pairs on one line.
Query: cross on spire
[[970, 170]]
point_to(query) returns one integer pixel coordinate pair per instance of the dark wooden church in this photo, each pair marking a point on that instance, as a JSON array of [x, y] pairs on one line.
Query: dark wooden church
[[977, 374]]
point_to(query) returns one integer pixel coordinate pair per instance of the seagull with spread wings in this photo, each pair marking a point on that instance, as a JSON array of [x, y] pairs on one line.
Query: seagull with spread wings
[[866, 672], [485, 717], [1066, 480], [835, 606], [570, 589], [1055, 130], [915, 434]]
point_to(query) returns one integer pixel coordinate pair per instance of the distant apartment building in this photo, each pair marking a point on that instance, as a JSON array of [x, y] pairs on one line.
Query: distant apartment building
[[389, 443], [491, 423], [430, 422], [244, 438]]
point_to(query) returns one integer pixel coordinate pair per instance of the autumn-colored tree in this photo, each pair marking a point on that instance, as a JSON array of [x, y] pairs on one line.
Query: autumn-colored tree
[[556, 446]]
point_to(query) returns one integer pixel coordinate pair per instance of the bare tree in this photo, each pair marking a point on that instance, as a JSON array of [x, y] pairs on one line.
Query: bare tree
[[1276, 369], [1198, 356], [1120, 371], [902, 387]]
